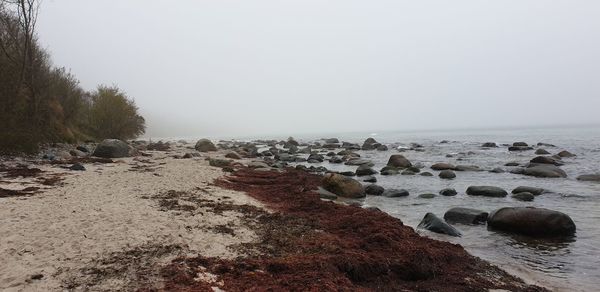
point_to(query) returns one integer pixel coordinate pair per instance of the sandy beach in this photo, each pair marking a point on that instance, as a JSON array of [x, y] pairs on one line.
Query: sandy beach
[[62, 233]]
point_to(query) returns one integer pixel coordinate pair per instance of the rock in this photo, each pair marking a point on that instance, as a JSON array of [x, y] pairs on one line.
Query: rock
[[512, 164], [63, 155], [524, 196], [374, 190], [343, 186], [497, 170], [541, 152], [217, 162], [394, 193], [331, 141], [566, 153], [257, 164], [465, 216], [316, 157], [370, 179], [489, 145], [448, 192], [187, 156], [545, 144], [112, 148], [545, 170], [77, 167], [519, 148], [537, 222], [399, 161], [205, 145], [232, 155], [426, 196], [83, 149], [389, 170], [291, 141], [545, 160], [348, 173], [408, 172], [447, 174], [467, 168], [158, 146], [350, 146], [426, 173], [77, 153], [532, 190], [336, 159], [486, 191], [442, 166], [520, 144], [331, 146], [358, 161], [330, 154], [325, 194], [382, 148], [369, 144], [589, 177], [365, 170], [435, 224]]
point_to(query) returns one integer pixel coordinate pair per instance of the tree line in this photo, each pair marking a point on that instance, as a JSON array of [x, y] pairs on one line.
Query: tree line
[[41, 103]]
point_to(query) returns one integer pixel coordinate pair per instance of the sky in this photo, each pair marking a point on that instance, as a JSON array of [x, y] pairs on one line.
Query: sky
[[241, 68]]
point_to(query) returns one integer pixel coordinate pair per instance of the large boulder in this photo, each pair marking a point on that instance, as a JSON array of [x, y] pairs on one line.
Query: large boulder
[[399, 161], [544, 170], [112, 148], [442, 166], [465, 216], [435, 224], [205, 145], [546, 160], [343, 186], [486, 191], [370, 144], [542, 151], [538, 222], [589, 177]]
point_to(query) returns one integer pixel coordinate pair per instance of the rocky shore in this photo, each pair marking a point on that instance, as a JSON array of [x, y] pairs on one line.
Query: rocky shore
[[233, 216]]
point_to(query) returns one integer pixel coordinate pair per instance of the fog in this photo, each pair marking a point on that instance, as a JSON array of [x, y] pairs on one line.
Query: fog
[[228, 68]]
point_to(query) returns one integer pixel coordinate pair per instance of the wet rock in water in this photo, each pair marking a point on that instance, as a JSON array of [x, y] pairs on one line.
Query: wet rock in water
[[408, 172], [447, 174], [486, 191], [399, 161], [465, 216], [427, 196], [317, 157], [331, 141], [374, 190], [382, 148], [112, 148], [343, 186], [566, 153], [546, 160], [232, 155], [414, 169], [291, 141], [519, 148], [331, 146], [370, 179], [77, 167], [205, 145], [512, 164], [545, 144], [448, 192], [467, 168], [523, 196], [519, 170], [336, 160], [350, 146], [348, 173], [524, 189], [389, 170], [330, 154], [267, 153], [370, 144], [217, 162], [358, 161], [426, 173], [520, 144], [545, 170], [541, 151], [489, 145], [537, 222], [589, 177], [394, 193], [442, 166], [497, 170], [435, 224], [325, 194], [365, 170], [348, 153]]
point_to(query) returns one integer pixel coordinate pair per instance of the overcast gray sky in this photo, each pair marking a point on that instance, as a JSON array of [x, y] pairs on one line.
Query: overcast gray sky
[[220, 68]]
